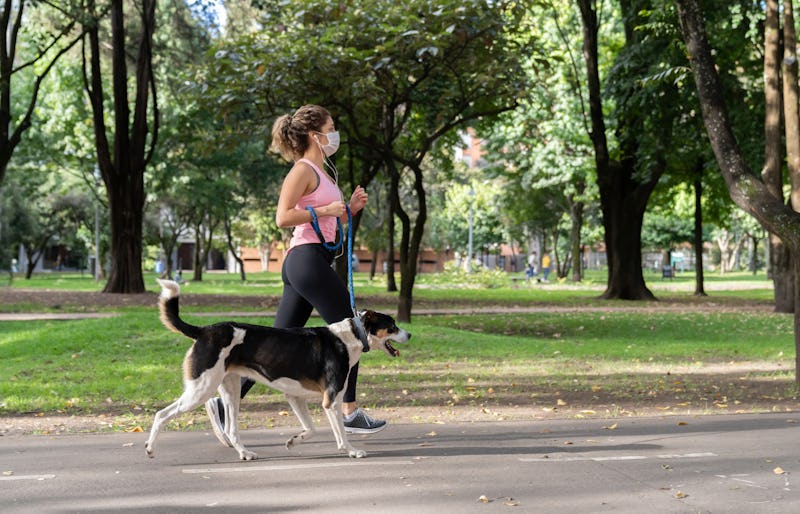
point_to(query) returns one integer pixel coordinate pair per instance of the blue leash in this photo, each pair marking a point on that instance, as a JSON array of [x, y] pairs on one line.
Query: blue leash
[[358, 325]]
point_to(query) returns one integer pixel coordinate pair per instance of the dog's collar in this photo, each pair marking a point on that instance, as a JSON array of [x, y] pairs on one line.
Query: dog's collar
[[358, 329]]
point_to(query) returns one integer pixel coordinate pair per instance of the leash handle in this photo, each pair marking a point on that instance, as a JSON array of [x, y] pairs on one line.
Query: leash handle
[[315, 226]]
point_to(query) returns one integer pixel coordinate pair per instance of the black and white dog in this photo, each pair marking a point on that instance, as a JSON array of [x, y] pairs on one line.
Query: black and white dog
[[303, 363]]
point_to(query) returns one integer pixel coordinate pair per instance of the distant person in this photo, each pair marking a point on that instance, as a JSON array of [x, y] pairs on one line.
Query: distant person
[[545, 266], [531, 271]]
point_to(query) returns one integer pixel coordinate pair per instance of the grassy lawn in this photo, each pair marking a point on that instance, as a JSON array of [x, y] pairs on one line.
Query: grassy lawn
[[573, 355]]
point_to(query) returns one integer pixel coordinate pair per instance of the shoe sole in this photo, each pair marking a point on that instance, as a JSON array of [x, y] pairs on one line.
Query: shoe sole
[[349, 430], [213, 416]]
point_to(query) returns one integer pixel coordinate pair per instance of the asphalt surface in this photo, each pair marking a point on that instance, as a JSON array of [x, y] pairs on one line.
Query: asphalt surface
[[730, 464]]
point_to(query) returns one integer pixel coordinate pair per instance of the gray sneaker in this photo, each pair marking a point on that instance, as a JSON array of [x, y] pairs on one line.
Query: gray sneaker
[[216, 414], [363, 424]]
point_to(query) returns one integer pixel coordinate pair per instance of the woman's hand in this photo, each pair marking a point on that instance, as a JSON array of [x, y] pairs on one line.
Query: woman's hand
[[358, 199], [332, 209]]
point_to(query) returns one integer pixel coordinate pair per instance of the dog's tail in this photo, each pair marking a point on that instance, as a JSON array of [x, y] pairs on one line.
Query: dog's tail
[[168, 309]]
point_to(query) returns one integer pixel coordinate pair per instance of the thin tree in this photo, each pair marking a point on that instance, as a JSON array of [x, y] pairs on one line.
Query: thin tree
[[783, 267], [123, 154], [772, 172], [13, 64]]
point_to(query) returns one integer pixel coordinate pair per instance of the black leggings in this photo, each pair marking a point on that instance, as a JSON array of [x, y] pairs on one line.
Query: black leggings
[[310, 283]]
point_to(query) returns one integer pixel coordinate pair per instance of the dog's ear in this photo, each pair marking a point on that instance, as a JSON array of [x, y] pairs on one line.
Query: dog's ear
[[367, 316]]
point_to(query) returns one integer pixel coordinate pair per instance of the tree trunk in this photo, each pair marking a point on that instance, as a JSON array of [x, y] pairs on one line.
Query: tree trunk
[[232, 248], [745, 189], [782, 275], [699, 287], [373, 266], [576, 223], [780, 262], [790, 103], [126, 209], [392, 204], [622, 220]]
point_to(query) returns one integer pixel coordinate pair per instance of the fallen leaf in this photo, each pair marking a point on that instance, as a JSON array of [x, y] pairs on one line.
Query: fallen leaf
[[589, 412], [680, 495], [431, 434], [682, 423], [778, 471], [127, 445], [137, 428], [483, 499], [611, 427], [7, 473], [560, 402]]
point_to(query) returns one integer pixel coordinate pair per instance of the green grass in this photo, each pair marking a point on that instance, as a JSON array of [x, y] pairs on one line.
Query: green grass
[[131, 364], [89, 365]]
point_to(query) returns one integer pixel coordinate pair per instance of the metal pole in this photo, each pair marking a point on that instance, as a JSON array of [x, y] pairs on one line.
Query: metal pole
[[97, 227], [469, 244]]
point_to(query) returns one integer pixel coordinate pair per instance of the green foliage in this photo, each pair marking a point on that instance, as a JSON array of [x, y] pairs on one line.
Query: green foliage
[[450, 227], [479, 278]]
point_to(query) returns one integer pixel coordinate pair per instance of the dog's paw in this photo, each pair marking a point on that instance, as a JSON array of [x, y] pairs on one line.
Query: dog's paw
[[357, 454], [149, 450], [299, 438], [248, 455]]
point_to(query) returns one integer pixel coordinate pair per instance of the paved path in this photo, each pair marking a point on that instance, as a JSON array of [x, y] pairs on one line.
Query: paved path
[[730, 464]]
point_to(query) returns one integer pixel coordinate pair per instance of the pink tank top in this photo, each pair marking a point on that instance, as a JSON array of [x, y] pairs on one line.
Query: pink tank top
[[325, 193]]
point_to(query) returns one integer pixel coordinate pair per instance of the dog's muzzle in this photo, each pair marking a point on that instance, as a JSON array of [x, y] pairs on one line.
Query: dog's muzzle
[[401, 337]]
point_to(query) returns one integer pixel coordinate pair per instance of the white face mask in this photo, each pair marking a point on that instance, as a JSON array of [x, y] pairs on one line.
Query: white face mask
[[333, 143]]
